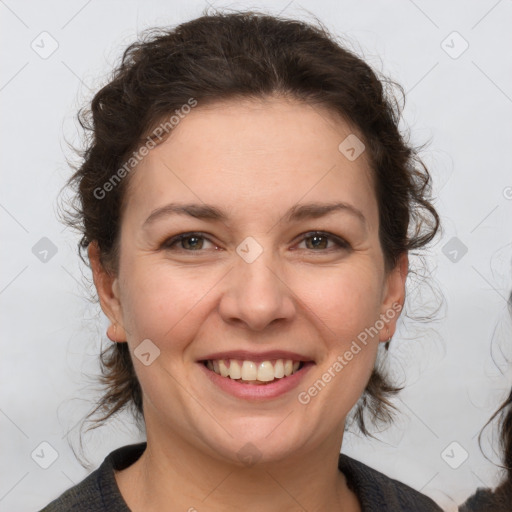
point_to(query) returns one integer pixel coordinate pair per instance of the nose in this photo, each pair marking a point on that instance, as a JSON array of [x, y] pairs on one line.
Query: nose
[[256, 295]]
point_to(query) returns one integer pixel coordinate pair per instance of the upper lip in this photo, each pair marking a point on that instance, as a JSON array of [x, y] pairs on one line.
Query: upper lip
[[256, 356]]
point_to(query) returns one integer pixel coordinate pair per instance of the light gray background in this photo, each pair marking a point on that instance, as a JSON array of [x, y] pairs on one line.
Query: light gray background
[[455, 368]]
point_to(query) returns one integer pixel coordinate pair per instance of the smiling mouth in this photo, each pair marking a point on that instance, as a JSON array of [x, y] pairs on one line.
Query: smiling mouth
[[250, 372]]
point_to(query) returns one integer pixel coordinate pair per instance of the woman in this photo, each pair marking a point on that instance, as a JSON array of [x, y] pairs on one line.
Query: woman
[[245, 201], [499, 500]]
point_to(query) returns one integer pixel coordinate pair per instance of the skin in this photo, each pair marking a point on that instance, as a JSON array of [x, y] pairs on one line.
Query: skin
[[254, 159]]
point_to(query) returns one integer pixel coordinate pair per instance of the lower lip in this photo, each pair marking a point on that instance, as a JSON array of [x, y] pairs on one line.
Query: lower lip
[[257, 391]]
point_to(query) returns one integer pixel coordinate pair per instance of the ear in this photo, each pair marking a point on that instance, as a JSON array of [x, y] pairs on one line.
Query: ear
[[393, 297], [107, 286]]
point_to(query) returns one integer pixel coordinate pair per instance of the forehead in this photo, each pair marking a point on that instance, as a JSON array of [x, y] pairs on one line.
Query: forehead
[[253, 154]]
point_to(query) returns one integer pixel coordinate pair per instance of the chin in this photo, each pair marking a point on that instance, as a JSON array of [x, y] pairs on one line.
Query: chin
[[260, 443]]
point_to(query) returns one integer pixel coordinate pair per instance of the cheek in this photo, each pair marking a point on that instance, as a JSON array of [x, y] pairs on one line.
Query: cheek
[[346, 299], [159, 301]]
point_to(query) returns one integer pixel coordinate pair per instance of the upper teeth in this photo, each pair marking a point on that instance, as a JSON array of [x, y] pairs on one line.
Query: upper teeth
[[265, 371]]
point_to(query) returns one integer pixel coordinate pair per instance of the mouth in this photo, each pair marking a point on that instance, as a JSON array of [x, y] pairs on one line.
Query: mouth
[[255, 376], [258, 373]]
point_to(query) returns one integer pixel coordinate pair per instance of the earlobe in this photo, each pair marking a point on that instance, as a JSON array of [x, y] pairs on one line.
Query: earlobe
[[113, 336], [107, 288]]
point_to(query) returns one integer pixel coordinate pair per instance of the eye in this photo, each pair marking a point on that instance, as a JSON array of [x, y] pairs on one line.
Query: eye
[[190, 242], [320, 240]]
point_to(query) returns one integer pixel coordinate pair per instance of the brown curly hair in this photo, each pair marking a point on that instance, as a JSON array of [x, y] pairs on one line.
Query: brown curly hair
[[228, 56], [499, 499]]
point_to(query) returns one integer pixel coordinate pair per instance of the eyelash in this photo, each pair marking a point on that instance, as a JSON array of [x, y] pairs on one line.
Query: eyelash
[[340, 242]]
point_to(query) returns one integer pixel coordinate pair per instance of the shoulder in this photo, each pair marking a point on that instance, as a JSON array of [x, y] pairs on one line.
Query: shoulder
[[478, 501], [486, 499], [99, 492], [377, 491], [85, 496]]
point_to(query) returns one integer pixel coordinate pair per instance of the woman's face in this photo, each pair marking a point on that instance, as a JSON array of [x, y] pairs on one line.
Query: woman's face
[[255, 286]]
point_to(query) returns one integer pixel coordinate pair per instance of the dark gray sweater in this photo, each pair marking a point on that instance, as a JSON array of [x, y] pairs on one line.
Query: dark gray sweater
[[99, 492]]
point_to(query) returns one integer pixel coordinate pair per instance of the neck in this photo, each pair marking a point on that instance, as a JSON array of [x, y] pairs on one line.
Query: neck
[[172, 471]]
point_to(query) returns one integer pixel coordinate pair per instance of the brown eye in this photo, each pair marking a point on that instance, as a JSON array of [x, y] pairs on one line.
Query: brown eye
[[317, 242], [320, 241], [193, 242], [189, 242]]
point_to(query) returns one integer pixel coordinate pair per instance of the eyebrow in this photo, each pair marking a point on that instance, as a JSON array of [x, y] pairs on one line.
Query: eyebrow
[[294, 214]]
